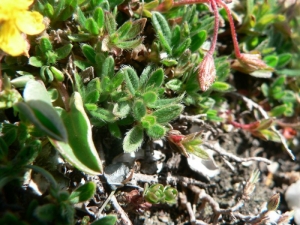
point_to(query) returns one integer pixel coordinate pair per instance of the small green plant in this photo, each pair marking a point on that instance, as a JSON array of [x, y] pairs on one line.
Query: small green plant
[[157, 194]]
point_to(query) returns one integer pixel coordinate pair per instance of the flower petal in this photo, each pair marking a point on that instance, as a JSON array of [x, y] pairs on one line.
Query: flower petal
[[12, 41], [30, 23]]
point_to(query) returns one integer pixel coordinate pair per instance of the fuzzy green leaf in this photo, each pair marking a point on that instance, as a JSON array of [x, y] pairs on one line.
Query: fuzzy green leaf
[[45, 45], [161, 26], [147, 121], [133, 139], [135, 29], [110, 23], [124, 29], [92, 92], [99, 17], [156, 131], [198, 40], [46, 213], [89, 52], [83, 193], [174, 84], [145, 75], [168, 113], [139, 109], [91, 26], [35, 61], [284, 59], [131, 79], [81, 18], [221, 86], [63, 51], [156, 79], [129, 44], [150, 97], [108, 67], [114, 130]]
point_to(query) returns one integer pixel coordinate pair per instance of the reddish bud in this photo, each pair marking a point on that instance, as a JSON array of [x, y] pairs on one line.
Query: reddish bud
[[206, 72], [248, 63]]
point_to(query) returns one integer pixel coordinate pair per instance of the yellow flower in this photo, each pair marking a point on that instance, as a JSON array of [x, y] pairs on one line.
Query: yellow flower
[[15, 22]]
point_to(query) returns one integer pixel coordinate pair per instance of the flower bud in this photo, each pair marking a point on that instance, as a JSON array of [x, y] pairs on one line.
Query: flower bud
[[248, 63], [206, 72], [273, 202]]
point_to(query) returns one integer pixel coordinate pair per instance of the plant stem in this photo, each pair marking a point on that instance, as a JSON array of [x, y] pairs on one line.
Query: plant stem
[[216, 27], [232, 29]]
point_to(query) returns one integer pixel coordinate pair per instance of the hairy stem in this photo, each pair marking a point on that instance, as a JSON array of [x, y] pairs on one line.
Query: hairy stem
[[216, 27], [232, 29]]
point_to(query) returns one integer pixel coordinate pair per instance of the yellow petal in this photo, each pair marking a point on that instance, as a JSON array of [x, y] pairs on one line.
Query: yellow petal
[[12, 41], [30, 23]]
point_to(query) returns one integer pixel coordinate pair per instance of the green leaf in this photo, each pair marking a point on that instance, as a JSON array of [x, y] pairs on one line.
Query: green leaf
[[161, 25], [129, 44], [46, 213], [92, 91], [35, 61], [21, 81], [99, 17], [131, 79], [284, 59], [83, 193], [80, 150], [139, 110], [107, 220], [150, 97], [175, 36], [145, 75], [174, 84], [147, 121], [91, 26], [169, 62], [45, 45], [108, 67], [221, 86], [48, 10], [3, 149], [135, 29], [80, 17], [114, 130], [182, 47], [156, 79], [110, 23], [38, 109], [133, 139], [63, 51], [89, 53], [124, 29], [156, 131], [271, 60], [168, 113], [58, 75]]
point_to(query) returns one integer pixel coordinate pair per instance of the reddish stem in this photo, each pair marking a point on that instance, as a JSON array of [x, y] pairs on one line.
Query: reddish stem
[[250, 126], [232, 29], [216, 27]]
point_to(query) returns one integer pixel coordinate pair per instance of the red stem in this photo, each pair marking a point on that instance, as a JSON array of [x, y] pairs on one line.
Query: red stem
[[232, 29], [216, 27]]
